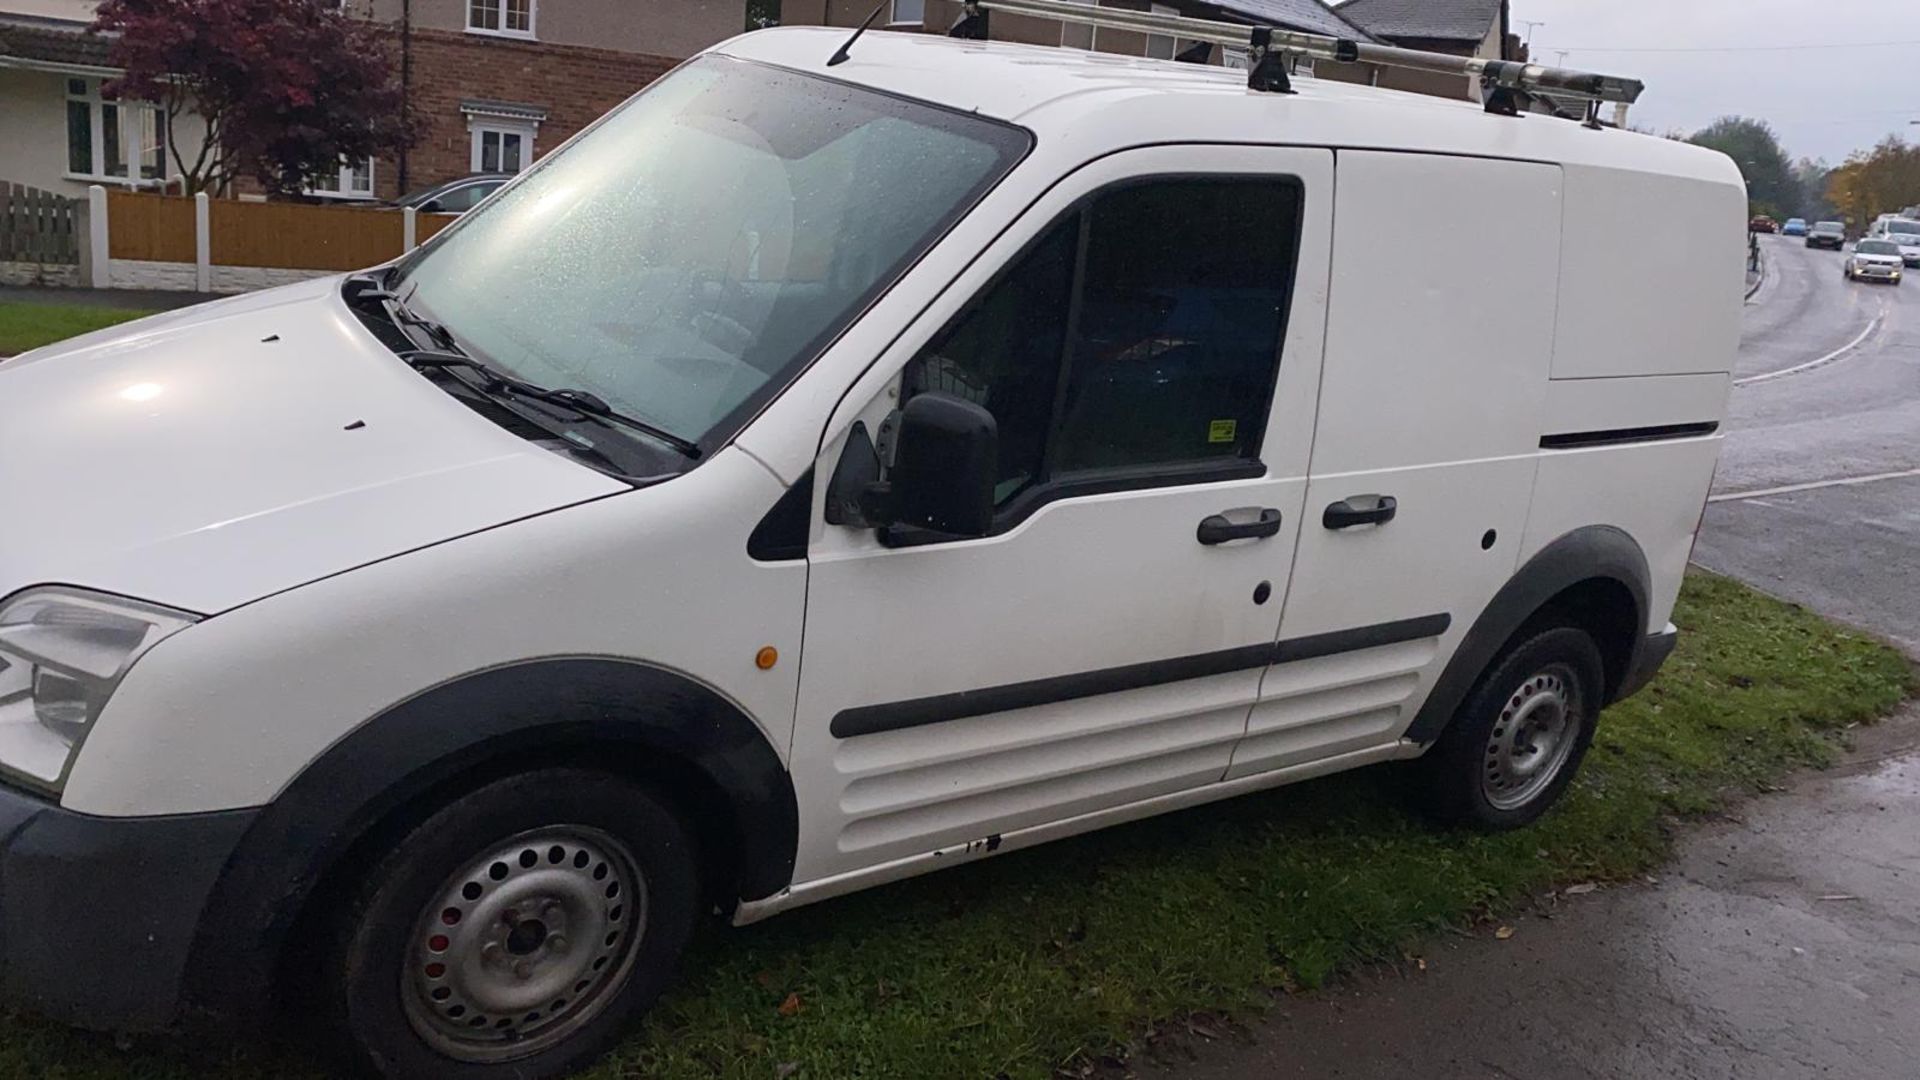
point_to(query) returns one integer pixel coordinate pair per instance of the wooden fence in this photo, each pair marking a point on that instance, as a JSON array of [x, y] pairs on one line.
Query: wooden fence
[[38, 226], [273, 235], [150, 228]]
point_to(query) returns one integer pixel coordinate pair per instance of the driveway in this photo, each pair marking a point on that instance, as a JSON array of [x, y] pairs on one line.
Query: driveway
[[1786, 942]]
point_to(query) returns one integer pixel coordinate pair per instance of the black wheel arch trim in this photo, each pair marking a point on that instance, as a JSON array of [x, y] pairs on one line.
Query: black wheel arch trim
[[1593, 551], [601, 706]]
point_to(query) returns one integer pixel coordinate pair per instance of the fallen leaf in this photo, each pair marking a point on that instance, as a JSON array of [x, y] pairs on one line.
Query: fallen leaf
[[785, 1069], [1421, 963], [1581, 889], [791, 1006], [1503, 933]]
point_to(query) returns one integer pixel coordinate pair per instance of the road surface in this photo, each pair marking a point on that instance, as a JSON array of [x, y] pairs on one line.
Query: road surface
[[1784, 944]]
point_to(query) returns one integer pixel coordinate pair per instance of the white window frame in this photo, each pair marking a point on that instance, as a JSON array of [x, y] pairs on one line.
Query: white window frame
[[131, 128], [343, 188], [531, 33], [525, 130], [1092, 33], [1172, 45], [893, 14]]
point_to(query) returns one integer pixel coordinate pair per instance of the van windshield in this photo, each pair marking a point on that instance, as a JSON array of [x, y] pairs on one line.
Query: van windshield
[[1906, 228], [705, 241], [1877, 247]]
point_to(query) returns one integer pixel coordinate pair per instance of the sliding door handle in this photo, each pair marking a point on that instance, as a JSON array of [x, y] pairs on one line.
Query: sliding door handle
[[1360, 510], [1218, 528]]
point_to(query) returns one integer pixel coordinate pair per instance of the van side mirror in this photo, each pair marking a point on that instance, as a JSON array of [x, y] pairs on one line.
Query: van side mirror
[[431, 206], [945, 456]]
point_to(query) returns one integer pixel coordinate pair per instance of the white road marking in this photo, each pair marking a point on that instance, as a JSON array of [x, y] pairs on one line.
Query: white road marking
[[1788, 489], [1836, 354]]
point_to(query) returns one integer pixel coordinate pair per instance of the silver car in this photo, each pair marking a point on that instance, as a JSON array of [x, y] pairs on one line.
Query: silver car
[[1874, 260]]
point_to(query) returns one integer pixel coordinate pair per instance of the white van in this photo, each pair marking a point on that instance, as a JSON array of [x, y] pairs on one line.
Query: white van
[[1901, 231], [814, 475]]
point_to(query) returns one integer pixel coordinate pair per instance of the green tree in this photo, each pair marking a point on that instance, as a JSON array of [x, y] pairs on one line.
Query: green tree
[[1771, 187], [1881, 181], [1811, 176]]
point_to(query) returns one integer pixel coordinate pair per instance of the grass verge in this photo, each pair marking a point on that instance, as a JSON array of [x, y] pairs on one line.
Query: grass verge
[[1018, 965], [29, 326]]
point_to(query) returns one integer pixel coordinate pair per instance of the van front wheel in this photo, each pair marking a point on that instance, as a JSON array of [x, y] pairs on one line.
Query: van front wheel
[[1519, 736], [513, 933]]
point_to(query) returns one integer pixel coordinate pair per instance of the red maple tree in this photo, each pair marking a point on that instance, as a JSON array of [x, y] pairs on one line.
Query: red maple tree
[[288, 89]]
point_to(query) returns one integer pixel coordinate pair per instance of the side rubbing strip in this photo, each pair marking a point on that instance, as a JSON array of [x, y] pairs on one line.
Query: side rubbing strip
[[1616, 436], [893, 716]]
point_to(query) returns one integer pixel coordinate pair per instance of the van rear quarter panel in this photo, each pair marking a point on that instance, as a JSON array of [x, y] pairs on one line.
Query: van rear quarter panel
[[1650, 274], [1651, 283]]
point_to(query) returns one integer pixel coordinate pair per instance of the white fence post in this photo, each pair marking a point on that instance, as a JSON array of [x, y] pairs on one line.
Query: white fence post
[[409, 229], [97, 237], [202, 243]]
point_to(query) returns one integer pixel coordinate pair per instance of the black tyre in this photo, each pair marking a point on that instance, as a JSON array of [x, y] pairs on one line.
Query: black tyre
[[516, 932], [1519, 736]]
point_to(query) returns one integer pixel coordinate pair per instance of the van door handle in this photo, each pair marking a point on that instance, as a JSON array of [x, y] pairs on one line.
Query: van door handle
[[1218, 529], [1360, 510]]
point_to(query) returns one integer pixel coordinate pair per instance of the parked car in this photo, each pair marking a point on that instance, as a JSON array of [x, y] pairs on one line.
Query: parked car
[[1904, 233], [1874, 260], [1794, 227], [454, 196], [1827, 234], [1762, 223], [818, 475]]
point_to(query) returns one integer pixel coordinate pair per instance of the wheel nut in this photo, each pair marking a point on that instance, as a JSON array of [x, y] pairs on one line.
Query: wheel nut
[[490, 952], [522, 970], [558, 943]]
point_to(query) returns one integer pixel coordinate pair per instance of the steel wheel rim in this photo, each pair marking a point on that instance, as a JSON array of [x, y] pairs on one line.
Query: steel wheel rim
[[524, 945], [1532, 738]]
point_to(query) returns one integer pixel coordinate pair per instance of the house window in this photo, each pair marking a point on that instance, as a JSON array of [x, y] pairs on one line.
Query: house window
[[908, 12], [1160, 46], [113, 140], [502, 147], [1078, 35], [353, 180], [512, 18]]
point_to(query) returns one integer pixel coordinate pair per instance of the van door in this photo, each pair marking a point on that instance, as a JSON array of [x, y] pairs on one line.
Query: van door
[[1439, 344], [1147, 337]]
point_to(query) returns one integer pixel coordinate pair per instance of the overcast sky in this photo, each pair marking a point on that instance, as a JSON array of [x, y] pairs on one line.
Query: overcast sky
[[1823, 102]]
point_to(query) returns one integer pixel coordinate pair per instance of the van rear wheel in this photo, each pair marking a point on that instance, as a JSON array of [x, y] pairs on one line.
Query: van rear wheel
[[516, 932], [1519, 736]]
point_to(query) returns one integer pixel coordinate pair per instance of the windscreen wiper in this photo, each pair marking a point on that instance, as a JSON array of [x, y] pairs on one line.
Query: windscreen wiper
[[583, 402], [397, 308]]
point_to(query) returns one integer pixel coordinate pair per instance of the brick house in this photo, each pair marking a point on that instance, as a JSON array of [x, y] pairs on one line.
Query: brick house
[[936, 16], [498, 83], [495, 84], [1477, 28]]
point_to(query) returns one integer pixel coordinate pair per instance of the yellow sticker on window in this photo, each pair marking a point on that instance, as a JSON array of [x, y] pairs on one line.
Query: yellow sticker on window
[[1221, 431]]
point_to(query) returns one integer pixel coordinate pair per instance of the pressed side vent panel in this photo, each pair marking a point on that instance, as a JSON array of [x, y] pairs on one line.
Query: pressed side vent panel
[[918, 788]]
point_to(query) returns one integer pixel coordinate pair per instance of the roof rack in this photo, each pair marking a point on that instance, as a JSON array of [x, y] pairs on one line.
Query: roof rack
[[1506, 86]]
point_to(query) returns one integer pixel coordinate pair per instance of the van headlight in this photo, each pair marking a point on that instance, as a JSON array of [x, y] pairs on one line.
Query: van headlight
[[62, 654]]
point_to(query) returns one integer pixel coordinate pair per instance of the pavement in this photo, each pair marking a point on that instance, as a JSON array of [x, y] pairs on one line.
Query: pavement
[[1783, 942], [133, 299]]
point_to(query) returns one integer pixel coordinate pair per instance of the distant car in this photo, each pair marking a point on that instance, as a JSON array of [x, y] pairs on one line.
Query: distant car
[[1874, 260], [1762, 223], [1794, 227], [454, 196], [1903, 233], [1827, 234]]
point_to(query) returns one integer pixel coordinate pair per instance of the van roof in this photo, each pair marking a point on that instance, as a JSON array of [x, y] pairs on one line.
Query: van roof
[[1106, 102]]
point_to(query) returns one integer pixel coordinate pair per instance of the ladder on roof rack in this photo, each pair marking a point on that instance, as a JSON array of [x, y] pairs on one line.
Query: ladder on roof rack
[[1506, 86]]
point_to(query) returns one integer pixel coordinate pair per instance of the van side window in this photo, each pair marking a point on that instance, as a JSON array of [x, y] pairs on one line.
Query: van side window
[[1139, 337]]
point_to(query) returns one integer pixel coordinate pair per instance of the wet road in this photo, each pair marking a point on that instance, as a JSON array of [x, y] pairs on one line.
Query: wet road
[[1842, 436], [1785, 943]]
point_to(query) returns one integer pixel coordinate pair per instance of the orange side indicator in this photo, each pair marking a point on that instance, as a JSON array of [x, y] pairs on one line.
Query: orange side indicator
[[766, 657]]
